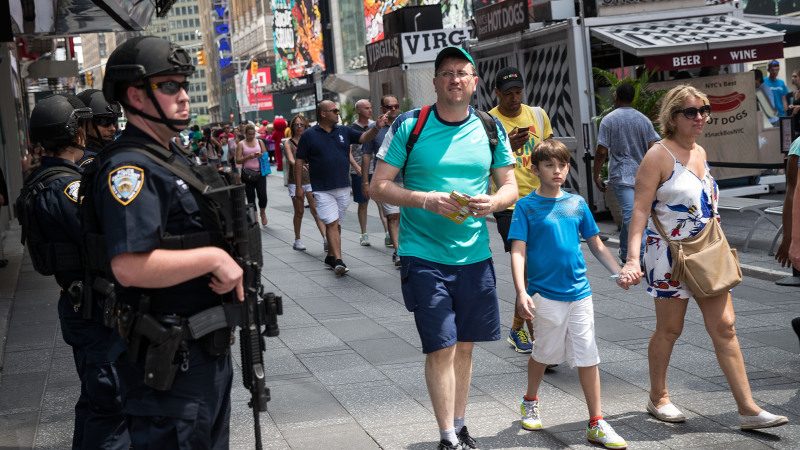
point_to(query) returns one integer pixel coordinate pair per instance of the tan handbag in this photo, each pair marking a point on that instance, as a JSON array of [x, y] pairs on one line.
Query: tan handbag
[[704, 263]]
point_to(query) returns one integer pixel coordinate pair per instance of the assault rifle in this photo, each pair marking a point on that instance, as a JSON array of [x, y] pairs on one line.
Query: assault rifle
[[259, 312]]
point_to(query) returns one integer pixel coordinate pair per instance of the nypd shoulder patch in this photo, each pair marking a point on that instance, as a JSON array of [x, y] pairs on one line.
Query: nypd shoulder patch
[[125, 183], [71, 190]]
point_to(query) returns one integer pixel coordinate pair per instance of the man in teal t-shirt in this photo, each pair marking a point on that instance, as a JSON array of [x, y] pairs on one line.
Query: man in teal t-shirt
[[447, 275]]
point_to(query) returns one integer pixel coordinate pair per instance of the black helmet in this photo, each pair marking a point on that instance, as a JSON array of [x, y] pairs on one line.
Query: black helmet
[[55, 121], [94, 99], [138, 59]]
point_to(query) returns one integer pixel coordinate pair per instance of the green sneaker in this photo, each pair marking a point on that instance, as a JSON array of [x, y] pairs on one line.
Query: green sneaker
[[603, 434], [530, 415]]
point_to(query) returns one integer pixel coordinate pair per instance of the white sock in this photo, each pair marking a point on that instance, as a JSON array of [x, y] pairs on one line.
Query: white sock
[[449, 435]]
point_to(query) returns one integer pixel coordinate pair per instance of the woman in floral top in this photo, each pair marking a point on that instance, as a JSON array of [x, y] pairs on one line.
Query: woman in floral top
[[674, 183]]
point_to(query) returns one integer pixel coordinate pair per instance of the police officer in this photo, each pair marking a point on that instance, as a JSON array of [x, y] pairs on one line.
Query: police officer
[[48, 209], [159, 233], [103, 126]]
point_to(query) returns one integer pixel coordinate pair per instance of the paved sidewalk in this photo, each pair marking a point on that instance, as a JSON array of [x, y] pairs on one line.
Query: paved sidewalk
[[347, 371]]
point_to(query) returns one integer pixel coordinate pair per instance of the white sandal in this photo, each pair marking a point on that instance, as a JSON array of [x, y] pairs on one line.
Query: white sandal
[[667, 413]]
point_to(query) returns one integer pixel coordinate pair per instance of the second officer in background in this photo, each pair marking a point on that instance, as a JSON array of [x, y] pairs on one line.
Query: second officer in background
[[100, 131], [162, 242], [48, 212]]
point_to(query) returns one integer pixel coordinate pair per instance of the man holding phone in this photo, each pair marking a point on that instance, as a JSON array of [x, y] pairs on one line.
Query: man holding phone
[[529, 126]]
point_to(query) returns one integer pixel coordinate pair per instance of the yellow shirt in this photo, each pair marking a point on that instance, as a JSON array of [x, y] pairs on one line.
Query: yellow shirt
[[526, 180]]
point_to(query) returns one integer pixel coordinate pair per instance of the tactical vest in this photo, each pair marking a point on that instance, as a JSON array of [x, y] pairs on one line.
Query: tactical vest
[[210, 190], [47, 257]]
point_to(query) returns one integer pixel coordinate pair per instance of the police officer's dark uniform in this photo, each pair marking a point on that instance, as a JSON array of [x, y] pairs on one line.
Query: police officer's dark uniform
[[48, 209], [104, 113], [141, 206]]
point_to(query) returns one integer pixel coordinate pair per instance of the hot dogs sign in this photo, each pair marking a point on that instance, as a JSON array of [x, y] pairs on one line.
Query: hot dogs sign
[[731, 134]]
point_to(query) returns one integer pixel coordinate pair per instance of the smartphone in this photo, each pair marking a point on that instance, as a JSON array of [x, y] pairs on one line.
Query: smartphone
[[514, 131]]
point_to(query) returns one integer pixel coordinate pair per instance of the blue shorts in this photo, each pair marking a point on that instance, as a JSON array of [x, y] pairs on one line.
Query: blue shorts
[[358, 194], [451, 303]]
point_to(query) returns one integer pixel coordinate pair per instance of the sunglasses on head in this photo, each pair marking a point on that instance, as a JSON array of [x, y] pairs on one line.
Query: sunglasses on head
[[170, 87], [105, 121], [691, 113]]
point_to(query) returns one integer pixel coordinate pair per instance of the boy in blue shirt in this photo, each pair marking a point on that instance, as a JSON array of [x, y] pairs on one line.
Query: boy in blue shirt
[[546, 229]]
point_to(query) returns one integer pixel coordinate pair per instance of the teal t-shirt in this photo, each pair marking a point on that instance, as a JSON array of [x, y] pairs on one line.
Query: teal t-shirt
[[447, 157], [794, 149]]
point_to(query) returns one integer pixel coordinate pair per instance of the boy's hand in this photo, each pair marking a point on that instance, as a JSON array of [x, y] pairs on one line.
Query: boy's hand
[[631, 274], [524, 305]]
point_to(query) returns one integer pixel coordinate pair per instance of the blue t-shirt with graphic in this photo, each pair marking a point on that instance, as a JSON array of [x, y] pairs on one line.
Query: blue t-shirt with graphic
[[778, 89], [448, 156], [552, 229]]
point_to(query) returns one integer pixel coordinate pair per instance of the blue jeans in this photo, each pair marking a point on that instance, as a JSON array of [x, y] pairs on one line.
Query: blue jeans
[[624, 196]]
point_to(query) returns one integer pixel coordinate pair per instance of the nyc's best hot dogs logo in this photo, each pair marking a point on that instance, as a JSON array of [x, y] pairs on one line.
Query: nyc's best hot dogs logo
[[724, 103]]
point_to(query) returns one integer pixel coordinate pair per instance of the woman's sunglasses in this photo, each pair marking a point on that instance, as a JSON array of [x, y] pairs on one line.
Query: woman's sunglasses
[[691, 113], [105, 121]]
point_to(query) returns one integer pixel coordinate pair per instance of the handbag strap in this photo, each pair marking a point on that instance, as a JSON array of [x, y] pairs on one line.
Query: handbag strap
[[659, 227]]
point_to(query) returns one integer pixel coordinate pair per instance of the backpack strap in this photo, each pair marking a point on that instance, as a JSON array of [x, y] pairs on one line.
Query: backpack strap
[[42, 179], [490, 126], [424, 112]]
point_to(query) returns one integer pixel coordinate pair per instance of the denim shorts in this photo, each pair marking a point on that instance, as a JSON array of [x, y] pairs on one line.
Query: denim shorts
[[451, 303]]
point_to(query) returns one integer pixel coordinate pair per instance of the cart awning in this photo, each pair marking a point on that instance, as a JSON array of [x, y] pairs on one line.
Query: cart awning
[[694, 41]]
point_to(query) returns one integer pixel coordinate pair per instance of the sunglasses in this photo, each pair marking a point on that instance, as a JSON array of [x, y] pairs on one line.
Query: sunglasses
[[105, 121], [391, 107], [170, 87], [691, 113]]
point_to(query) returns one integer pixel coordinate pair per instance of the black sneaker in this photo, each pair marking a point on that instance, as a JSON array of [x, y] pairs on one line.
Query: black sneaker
[[330, 262], [340, 268], [796, 326], [465, 439], [446, 445]]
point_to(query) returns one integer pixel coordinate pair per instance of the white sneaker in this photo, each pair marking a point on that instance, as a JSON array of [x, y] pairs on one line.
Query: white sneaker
[[298, 245], [603, 434], [763, 419], [364, 241], [530, 415]]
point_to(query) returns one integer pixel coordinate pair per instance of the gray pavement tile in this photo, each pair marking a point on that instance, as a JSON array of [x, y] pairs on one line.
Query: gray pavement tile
[[387, 351], [323, 306], [337, 436], [697, 361], [242, 433], [613, 353], [356, 329], [697, 431], [353, 293], [377, 407], [296, 317], [486, 363], [17, 430], [758, 295], [775, 360], [736, 445], [58, 402], [619, 309], [305, 340], [21, 392], [614, 330], [420, 435], [21, 338], [636, 439], [303, 401], [406, 331], [636, 373], [786, 396], [27, 361], [341, 369], [503, 431], [410, 378], [282, 362], [783, 338], [381, 308], [55, 434]]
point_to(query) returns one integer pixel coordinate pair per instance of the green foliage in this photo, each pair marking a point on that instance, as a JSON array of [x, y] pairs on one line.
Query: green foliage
[[406, 104], [347, 112], [645, 100]]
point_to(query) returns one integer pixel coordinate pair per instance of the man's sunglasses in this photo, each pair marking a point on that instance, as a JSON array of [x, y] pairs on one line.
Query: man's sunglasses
[[691, 113], [105, 121], [391, 107], [170, 87]]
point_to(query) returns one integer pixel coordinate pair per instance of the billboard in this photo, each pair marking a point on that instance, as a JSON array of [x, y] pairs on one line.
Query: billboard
[[455, 13], [297, 33], [252, 93]]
